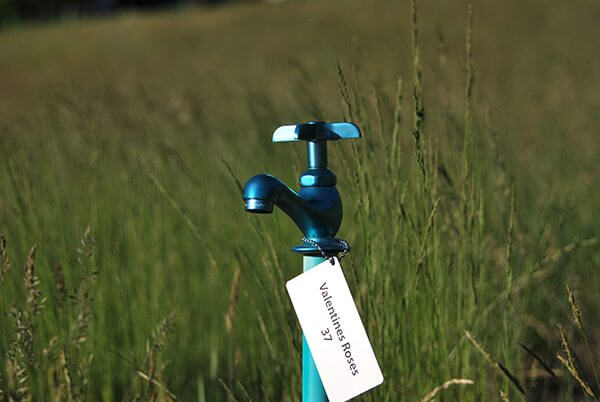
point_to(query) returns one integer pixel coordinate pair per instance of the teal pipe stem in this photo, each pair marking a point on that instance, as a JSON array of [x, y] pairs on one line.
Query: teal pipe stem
[[312, 387]]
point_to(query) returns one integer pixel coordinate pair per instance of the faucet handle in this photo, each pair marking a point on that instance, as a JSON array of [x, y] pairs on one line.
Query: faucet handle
[[316, 131]]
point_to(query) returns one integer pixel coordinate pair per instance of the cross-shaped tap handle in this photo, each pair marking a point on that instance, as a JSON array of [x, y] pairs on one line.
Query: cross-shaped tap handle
[[316, 131]]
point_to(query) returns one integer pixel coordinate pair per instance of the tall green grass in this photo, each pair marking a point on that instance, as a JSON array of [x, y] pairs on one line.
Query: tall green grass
[[466, 216]]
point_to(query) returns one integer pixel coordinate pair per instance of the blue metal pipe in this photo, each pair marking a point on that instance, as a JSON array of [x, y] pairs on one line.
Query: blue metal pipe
[[312, 387]]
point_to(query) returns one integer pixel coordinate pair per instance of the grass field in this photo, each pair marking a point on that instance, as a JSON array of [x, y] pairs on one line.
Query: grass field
[[470, 202]]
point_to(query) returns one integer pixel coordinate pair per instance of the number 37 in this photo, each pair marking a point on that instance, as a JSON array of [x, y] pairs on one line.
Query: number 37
[[326, 335]]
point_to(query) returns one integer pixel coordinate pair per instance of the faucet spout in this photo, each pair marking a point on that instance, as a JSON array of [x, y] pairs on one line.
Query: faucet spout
[[317, 211]]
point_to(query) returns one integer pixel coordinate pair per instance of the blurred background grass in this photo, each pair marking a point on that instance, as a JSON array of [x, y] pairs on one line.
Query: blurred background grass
[[123, 123]]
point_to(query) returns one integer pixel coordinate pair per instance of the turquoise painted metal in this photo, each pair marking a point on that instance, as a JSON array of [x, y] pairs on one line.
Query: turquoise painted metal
[[312, 387], [316, 209]]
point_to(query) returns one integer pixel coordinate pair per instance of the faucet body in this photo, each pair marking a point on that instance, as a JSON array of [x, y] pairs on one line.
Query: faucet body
[[316, 210], [317, 207]]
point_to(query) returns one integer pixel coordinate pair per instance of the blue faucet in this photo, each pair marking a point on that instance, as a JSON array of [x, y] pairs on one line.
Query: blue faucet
[[316, 209]]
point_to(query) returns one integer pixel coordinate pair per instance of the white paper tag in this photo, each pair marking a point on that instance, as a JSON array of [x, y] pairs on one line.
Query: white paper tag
[[334, 331]]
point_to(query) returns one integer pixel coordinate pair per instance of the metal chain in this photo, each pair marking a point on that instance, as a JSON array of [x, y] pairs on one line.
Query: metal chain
[[346, 247], [315, 244]]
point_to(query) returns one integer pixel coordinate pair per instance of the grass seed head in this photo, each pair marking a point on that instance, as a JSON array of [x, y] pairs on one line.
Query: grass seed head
[[565, 344], [575, 373], [16, 364], [575, 309], [569, 363], [22, 348], [35, 301], [344, 93]]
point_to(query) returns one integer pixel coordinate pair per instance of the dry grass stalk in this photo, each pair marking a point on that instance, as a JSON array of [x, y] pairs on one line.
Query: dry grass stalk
[[80, 326], [395, 148], [188, 221], [233, 298], [569, 248], [83, 299], [541, 270], [569, 363], [503, 396], [577, 316], [575, 309], [455, 381], [244, 391], [573, 370], [18, 380], [158, 384], [68, 384], [157, 340], [22, 348], [82, 321], [4, 267], [237, 357], [494, 363], [469, 72], [86, 250], [162, 331], [265, 332], [237, 182], [51, 365], [486, 355], [35, 301], [74, 358], [5, 263], [510, 241], [565, 345], [344, 93], [493, 138], [378, 110], [468, 118], [423, 247], [230, 394], [418, 106], [60, 286]]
